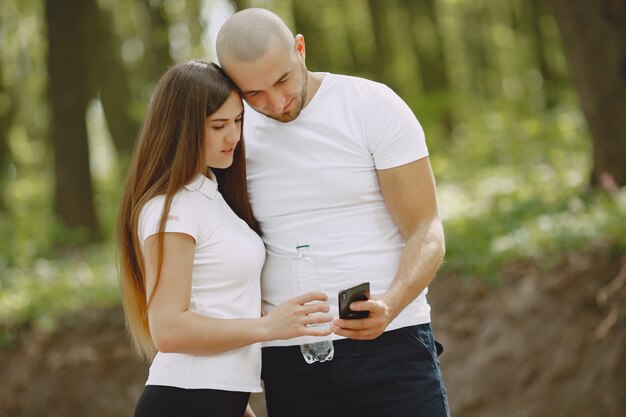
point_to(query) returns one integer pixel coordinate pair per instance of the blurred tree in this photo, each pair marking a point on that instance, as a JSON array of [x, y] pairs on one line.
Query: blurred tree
[[193, 10], [107, 76], [538, 10], [354, 62], [240, 4], [68, 93], [156, 40], [475, 26], [307, 23], [380, 27], [594, 37], [7, 110], [425, 38]]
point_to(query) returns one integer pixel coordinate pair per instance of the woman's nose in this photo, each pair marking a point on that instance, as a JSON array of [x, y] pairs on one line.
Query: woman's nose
[[233, 135]]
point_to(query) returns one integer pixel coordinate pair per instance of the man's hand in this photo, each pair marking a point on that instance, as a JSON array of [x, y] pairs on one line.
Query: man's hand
[[368, 328]]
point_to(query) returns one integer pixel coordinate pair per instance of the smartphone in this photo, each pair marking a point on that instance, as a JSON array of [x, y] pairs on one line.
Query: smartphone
[[359, 292]]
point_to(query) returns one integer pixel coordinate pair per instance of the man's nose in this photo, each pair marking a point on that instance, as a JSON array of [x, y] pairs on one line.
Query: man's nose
[[276, 102]]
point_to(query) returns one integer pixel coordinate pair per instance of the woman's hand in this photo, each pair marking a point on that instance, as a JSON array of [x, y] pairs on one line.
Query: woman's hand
[[291, 318]]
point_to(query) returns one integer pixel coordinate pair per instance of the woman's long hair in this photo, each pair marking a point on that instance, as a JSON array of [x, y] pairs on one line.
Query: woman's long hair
[[169, 154]]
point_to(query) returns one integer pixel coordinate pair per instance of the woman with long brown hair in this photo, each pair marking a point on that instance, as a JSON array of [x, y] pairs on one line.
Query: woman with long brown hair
[[190, 255]]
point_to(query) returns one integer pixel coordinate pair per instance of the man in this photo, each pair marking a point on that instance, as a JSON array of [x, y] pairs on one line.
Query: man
[[340, 162]]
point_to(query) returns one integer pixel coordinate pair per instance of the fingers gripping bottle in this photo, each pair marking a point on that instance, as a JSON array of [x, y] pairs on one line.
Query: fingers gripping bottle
[[305, 278]]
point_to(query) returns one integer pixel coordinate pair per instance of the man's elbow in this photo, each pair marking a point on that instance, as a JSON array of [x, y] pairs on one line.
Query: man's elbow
[[430, 239], [438, 243]]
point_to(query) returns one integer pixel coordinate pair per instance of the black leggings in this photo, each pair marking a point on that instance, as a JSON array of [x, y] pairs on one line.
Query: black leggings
[[160, 401]]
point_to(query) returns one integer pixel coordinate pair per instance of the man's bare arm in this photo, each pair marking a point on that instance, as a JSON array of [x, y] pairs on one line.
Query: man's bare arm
[[411, 198]]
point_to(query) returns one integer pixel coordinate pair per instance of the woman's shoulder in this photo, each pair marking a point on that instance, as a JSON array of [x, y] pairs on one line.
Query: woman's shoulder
[[182, 217], [182, 202], [154, 206]]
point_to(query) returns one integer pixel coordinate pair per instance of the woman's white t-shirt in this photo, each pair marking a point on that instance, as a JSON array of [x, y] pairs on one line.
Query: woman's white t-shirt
[[225, 284]]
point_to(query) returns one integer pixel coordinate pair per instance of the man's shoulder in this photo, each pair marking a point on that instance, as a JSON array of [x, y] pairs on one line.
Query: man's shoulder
[[355, 90], [354, 81]]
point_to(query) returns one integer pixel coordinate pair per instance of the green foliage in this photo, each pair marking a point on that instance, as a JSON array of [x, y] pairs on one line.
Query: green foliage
[[40, 279], [49, 287], [513, 185], [44, 271]]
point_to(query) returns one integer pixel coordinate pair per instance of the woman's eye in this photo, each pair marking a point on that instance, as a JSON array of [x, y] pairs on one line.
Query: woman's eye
[[218, 127]]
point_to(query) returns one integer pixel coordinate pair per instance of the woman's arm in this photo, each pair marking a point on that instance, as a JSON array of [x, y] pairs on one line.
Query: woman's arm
[[249, 412], [176, 329]]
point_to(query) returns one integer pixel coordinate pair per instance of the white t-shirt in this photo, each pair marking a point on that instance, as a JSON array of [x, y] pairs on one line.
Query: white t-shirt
[[225, 284], [314, 179]]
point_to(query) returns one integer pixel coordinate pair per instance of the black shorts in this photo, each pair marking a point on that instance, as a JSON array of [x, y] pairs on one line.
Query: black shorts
[[162, 401], [396, 375]]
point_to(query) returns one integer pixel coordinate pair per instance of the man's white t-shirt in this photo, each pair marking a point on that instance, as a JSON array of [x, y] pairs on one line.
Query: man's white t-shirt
[[314, 179], [225, 284]]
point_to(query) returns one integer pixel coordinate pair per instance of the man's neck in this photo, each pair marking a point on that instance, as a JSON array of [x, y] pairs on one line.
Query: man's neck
[[313, 84]]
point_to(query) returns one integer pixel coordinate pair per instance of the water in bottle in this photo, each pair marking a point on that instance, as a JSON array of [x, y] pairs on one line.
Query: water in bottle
[[304, 273]]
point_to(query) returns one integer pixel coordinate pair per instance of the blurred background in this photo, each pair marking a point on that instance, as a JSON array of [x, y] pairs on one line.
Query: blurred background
[[524, 107]]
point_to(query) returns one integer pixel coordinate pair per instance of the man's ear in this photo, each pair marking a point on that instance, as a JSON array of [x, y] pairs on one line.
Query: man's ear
[[300, 47]]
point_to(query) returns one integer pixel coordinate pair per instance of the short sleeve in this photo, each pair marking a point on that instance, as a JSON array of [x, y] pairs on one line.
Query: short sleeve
[[392, 132], [180, 219]]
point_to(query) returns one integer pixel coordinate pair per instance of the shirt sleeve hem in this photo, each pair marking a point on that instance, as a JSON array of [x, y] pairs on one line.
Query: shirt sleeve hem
[[182, 230], [406, 159]]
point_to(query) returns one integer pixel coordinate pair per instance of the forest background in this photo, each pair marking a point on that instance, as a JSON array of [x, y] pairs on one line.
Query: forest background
[[523, 104]]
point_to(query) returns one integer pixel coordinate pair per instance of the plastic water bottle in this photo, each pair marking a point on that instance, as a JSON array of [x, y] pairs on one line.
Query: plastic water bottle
[[304, 274]]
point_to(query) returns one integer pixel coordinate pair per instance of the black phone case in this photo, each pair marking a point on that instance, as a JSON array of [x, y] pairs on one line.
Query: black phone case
[[359, 292]]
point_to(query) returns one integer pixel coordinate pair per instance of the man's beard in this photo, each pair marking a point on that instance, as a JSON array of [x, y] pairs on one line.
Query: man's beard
[[299, 101]]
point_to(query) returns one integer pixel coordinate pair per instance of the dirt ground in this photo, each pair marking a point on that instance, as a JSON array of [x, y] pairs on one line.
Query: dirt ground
[[542, 343]]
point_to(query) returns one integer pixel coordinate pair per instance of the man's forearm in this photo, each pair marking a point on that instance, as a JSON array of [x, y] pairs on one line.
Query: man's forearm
[[421, 257]]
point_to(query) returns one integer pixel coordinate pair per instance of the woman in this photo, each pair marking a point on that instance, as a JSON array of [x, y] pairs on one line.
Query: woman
[[189, 255]]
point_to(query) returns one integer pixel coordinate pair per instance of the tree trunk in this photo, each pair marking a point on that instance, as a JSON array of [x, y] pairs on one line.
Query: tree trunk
[[537, 10], [354, 63], [195, 24], [156, 40], [68, 92], [381, 58], [108, 76], [7, 110], [594, 38], [432, 61], [475, 24], [240, 4], [306, 22]]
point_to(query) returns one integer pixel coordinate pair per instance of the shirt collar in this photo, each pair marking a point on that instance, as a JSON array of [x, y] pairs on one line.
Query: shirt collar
[[206, 185]]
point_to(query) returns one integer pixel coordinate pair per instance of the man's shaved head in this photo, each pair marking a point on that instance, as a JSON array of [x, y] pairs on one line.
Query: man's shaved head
[[266, 62], [248, 34]]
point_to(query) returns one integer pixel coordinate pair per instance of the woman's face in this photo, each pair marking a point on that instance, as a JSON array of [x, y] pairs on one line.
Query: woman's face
[[222, 131]]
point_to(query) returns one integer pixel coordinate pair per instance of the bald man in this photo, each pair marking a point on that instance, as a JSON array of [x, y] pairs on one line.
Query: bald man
[[340, 162]]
